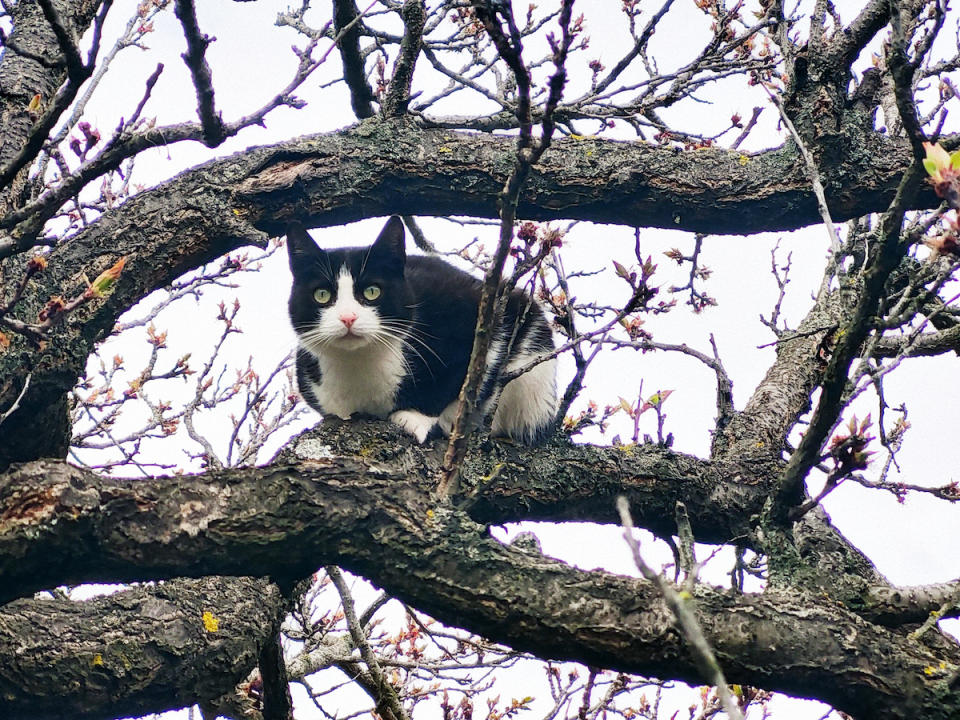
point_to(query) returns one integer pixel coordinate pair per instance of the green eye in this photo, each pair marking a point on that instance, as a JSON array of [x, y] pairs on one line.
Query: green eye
[[371, 292], [322, 295]]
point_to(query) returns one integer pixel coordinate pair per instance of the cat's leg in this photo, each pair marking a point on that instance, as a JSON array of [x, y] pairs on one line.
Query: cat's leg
[[415, 423], [528, 403]]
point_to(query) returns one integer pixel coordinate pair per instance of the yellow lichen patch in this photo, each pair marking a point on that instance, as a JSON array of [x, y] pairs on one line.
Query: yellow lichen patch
[[493, 473], [211, 623], [97, 660], [444, 149], [743, 159]]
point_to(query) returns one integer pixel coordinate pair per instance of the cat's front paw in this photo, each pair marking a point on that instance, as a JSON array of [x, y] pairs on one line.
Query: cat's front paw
[[415, 423]]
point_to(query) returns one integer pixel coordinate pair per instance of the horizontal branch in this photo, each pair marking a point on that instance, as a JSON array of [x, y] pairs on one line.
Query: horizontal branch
[[924, 345], [913, 604], [378, 168], [61, 524], [556, 482], [356, 173], [142, 650]]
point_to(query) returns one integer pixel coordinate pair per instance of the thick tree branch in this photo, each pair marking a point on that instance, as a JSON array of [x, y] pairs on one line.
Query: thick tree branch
[[145, 649], [760, 430], [846, 45], [367, 518], [551, 483], [899, 606], [340, 177], [21, 78]]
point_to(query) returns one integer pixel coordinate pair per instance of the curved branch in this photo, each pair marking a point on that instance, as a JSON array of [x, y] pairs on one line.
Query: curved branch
[[346, 16], [364, 516], [345, 176], [845, 45]]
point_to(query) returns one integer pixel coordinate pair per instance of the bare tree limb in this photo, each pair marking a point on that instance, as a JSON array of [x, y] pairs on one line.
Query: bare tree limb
[[443, 564], [145, 649], [398, 94], [197, 43], [346, 17]]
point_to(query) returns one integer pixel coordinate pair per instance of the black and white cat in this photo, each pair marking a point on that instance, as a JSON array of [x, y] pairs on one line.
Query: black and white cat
[[386, 335]]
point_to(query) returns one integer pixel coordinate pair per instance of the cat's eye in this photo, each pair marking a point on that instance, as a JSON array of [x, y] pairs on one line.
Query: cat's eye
[[322, 295], [371, 292]]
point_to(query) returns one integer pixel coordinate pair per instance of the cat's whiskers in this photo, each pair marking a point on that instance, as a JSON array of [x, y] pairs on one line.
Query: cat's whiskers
[[316, 337], [385, 340], [387, 332], [406, 334]]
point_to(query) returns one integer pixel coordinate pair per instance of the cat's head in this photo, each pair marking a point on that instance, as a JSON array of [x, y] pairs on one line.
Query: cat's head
[[346, 299]]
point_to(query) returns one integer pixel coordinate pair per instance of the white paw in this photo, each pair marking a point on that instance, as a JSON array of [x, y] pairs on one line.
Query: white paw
[[415, 423]]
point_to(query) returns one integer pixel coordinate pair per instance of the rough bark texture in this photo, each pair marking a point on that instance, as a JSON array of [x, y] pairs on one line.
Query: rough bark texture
[[146, 649], [355, 494], [23, 75]]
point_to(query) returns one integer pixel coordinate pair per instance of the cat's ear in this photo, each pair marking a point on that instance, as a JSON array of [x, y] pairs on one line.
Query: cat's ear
[[302, 251], [390, 245]]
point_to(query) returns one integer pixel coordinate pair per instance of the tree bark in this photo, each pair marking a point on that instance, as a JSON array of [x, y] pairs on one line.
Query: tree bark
[[145, 649], [351, 494]]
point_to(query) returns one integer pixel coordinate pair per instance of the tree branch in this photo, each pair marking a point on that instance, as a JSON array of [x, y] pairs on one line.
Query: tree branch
[[340, 177], [197, 44], [849, 342], [398, 95], [346, 17], [22, 78], [372, 521], [145, 649]]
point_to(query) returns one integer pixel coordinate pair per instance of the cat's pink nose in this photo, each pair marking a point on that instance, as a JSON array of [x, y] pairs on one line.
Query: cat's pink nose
[[348, 319]]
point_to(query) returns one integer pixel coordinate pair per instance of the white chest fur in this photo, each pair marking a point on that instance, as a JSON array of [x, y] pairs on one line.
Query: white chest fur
[[360, 381]]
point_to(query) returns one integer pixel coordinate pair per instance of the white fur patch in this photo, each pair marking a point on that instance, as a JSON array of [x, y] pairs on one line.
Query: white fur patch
[[360, 381], [528, 402], [415, 423], [361, 367]]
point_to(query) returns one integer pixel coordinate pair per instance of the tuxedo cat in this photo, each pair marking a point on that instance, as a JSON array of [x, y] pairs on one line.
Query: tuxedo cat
[[383, 334]]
